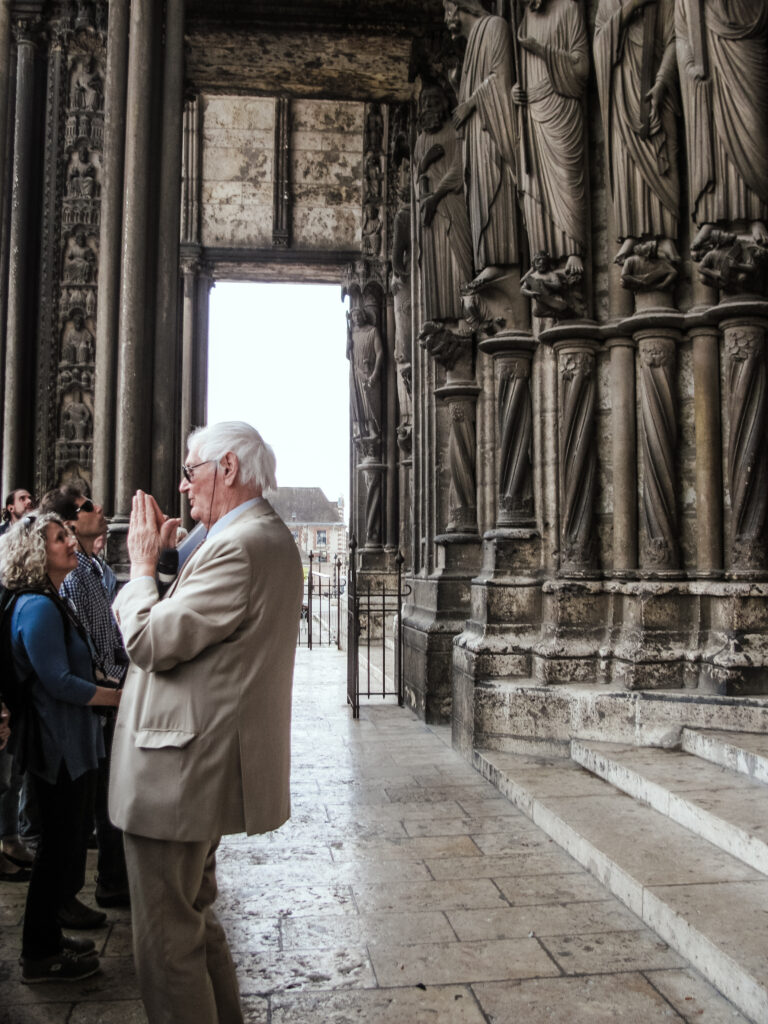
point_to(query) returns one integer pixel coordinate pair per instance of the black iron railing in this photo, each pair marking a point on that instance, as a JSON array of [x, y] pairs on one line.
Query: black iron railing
[[321, 610]]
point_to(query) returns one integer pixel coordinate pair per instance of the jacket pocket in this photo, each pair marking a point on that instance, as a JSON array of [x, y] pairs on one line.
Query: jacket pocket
[[156, 739]]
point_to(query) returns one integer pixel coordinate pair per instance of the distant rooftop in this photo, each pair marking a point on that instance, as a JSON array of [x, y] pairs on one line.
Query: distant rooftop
[[305, 505]]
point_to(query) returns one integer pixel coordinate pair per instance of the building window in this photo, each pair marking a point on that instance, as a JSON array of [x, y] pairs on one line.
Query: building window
[[322, 538]]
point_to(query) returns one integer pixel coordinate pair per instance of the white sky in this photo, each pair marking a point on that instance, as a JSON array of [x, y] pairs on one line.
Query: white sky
[[277, 359]]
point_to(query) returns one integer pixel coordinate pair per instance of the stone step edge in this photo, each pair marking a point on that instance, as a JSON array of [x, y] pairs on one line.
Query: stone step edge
[[709, 746], [679, 807], [713, 963]]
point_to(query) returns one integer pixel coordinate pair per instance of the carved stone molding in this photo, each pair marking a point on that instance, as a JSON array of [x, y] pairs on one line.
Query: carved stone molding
[[657, 355], [747, 396], [281, 214]]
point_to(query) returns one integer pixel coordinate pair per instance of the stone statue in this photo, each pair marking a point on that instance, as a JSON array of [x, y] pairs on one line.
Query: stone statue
[[732, 263], [555, 292], [77, 343], [80, 260], [82, 175], [372, 232], [647, 269], [366, 358], [373, 175], [485, 117], [721, 50], [554, 66], [374, 129], [401, 295], [445, 249], [76, 421], [634, 50], [96, 86]]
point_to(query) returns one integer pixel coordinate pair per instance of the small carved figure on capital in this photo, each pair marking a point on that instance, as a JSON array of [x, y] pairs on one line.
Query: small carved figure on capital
[[634, 49], [555, 293], [445, 346], [731, 263], [576, 364], [365, 352], [553, 58], [721, 50], [485, 119], [445, 241], [646, 269], [79, 260]]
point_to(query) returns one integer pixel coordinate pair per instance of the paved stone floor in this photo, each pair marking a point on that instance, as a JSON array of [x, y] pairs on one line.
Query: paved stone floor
[[404, 890]]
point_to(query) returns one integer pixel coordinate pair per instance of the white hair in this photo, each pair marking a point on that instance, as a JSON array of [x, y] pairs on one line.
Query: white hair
[[255, 458]]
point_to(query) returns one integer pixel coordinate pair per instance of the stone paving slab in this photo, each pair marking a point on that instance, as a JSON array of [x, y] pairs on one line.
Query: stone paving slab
[[405, 890]]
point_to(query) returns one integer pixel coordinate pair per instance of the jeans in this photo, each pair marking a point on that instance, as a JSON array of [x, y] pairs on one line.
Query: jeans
[[58, 873]]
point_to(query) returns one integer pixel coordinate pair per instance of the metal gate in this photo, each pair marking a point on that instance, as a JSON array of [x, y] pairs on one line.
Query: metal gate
[[321, 609], [374, 619]]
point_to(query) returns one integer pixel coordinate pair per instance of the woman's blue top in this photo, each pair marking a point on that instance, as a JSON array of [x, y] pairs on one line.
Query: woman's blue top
[[59, 665]]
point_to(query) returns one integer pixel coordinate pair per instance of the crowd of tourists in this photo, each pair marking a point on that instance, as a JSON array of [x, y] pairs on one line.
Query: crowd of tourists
[[63, 666]]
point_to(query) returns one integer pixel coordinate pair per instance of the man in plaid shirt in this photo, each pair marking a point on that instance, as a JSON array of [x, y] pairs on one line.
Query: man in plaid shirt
[[86, 590]]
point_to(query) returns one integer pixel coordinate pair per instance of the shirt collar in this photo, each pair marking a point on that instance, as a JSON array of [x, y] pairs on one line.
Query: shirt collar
[[232, 515]]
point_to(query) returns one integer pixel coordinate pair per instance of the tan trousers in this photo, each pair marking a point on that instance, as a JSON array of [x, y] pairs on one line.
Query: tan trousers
[[183, 963]]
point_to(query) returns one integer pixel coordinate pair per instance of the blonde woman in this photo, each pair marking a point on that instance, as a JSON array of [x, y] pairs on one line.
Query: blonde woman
[[57, 740]]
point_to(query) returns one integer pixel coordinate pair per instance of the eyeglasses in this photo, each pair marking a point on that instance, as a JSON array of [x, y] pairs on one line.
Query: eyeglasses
[[187, 471], [87, 506]]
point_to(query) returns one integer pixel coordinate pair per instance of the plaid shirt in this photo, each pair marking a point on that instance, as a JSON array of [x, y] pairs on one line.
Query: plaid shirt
[[86, 590]]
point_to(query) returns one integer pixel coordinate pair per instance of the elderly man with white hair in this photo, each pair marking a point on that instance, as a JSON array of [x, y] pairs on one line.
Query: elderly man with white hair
[[202, 743]]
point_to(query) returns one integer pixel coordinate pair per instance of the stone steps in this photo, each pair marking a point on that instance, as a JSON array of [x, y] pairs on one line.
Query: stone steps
[[742, 752], [702, 900], [724, 807]]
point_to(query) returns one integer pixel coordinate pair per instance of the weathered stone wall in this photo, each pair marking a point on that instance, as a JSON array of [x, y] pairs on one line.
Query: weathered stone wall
[[238, 163]]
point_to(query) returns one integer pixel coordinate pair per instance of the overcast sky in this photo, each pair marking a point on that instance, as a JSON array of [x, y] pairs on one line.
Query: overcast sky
[[277, 359]]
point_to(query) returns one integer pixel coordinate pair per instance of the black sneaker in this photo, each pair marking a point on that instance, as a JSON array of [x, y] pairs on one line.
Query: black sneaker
[[74, 914], [80, 947], [64, 966]]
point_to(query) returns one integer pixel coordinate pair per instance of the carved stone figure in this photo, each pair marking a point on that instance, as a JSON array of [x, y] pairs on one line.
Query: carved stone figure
[[96, 86], [485, 117], [77, 343], [554, 66], [82, 175], [634, 50], [366, 357], [374, 129], [555, 293], [732, 263], [372, 232], [445, 249], [721, 47], [648, 270], [80, 260], [373, 175], [401, 295], [76, 421]]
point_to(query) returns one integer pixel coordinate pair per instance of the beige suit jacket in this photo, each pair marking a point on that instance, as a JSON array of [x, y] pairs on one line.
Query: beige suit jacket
[[202, 741]]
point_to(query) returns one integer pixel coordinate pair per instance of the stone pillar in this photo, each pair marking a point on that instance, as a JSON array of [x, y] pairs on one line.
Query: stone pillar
[[624, 454], [747, 405], [513, 356], [656, 349], [6, 131], [194, 334], [709, 476], [134, 408], [17, 412], [107, 322], [165, 408], [577, 402]]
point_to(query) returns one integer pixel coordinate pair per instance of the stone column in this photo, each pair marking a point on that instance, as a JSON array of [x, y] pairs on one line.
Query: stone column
[[107, 322], [624, 453], [6, 129], [709, 477], [747, 377], [656, 348], [577, 402], [194, 334], [165, 408], [134, 408], [17, 412], [514, 409]]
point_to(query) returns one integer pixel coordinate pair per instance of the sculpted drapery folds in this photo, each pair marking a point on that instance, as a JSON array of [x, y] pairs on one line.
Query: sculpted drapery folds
[[366, 356], [635, 59], [722, 47], [445, 249], [554, 66], [485, 118]]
